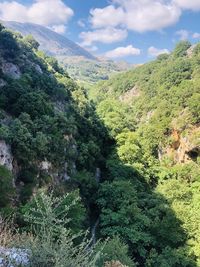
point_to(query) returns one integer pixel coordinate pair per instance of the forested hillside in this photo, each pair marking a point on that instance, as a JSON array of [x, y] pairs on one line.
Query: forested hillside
[[152, 198], [80, 64], [49, 131], [124, 165]]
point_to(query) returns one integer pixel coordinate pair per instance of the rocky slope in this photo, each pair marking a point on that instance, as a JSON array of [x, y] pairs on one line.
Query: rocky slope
[[44, 115], [80, 64], [52, 43], [138, 177], [162, 99]]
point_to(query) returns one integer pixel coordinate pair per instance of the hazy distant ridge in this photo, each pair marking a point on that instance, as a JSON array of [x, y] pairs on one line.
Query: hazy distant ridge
[[51, 42]]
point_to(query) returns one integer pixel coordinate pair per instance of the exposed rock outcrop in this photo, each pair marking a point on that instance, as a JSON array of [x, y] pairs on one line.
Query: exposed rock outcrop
[[45, 166], [13, 257], [6, 158], [2, 83], [128, 96], [183, 148], [11, 70], [57, 174], [38, 68], [190, 50]]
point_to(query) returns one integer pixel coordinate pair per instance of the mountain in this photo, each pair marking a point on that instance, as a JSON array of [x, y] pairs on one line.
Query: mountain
[[124, 164], [52, 43], [46, 123], [80, 64], [153, 114], [89, 71], [161, 99]]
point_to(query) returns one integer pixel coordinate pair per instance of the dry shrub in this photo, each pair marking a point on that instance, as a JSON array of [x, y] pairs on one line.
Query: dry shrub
[[9, 236], [114, 264], [6, 234]]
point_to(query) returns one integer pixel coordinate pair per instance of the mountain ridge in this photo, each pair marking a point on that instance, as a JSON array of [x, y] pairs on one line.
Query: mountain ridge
[[50, 42], [80, 64]]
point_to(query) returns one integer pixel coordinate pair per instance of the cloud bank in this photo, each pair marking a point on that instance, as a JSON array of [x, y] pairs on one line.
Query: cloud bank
[[106, 36], [154, 52], [136, 15], [123, 52], [188, 4], [50, 13]]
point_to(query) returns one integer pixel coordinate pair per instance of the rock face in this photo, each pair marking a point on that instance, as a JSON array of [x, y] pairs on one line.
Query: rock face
[[130, 95], [38, 68], [13, 257], [190, 50], [2, 83], [52, 43], [183, 148], [11, 70], [57, 175], [45, 166], [6, 158]]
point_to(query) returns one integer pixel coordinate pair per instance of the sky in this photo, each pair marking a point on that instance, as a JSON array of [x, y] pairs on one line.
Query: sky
[[133, 30]]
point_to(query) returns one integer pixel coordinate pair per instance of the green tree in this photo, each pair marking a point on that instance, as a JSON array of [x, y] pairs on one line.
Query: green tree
[[114, 250], [181, 49], [7, 190], [31, 42]]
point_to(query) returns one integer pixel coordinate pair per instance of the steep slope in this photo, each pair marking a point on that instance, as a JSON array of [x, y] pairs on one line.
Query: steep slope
[[52, 43], [153, 114], [163, 101], [90, 72], [80, 64], [48, 128], [132, 189]]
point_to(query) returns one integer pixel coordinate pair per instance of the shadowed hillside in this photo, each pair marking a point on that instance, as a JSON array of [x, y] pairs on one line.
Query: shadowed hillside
[[67, 166]]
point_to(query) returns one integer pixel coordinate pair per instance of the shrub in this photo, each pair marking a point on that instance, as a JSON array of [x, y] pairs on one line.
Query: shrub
[[53, 244], [7, 191]]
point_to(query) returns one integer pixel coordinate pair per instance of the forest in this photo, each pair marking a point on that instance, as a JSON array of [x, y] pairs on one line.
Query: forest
[[104, 177]]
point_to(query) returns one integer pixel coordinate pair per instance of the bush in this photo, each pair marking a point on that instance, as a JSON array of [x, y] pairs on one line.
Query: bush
[[7, 190], [115, 250], [53, 245]]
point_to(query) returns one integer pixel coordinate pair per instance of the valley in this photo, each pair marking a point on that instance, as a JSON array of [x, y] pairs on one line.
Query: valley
[[120, 158], [80, 64]]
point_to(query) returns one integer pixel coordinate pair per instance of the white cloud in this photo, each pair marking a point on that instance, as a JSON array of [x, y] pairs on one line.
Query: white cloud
[[44, 12], [59, 28], [137, 15], [13, 11], [188, 4], [183, 34], [93, 48], [102, 17], [147, 15], [154, 52], [106, 36], [196, 35], [123, 52]]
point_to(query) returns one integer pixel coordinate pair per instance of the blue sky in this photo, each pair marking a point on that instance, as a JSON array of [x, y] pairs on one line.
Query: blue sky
[[131, 30]]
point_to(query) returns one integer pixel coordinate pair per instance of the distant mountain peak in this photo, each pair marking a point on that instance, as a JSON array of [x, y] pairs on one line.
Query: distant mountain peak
[[52, 43]]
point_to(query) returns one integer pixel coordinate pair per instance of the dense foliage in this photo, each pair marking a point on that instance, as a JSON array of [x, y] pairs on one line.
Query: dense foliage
[[47, 120], [151, 198], [88, 72], [134, 157]]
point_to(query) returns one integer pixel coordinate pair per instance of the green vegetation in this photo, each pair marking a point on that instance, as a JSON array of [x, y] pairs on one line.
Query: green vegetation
[[7, 190], [49, 242], [88, 72], [124, 164], [150, 201]]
